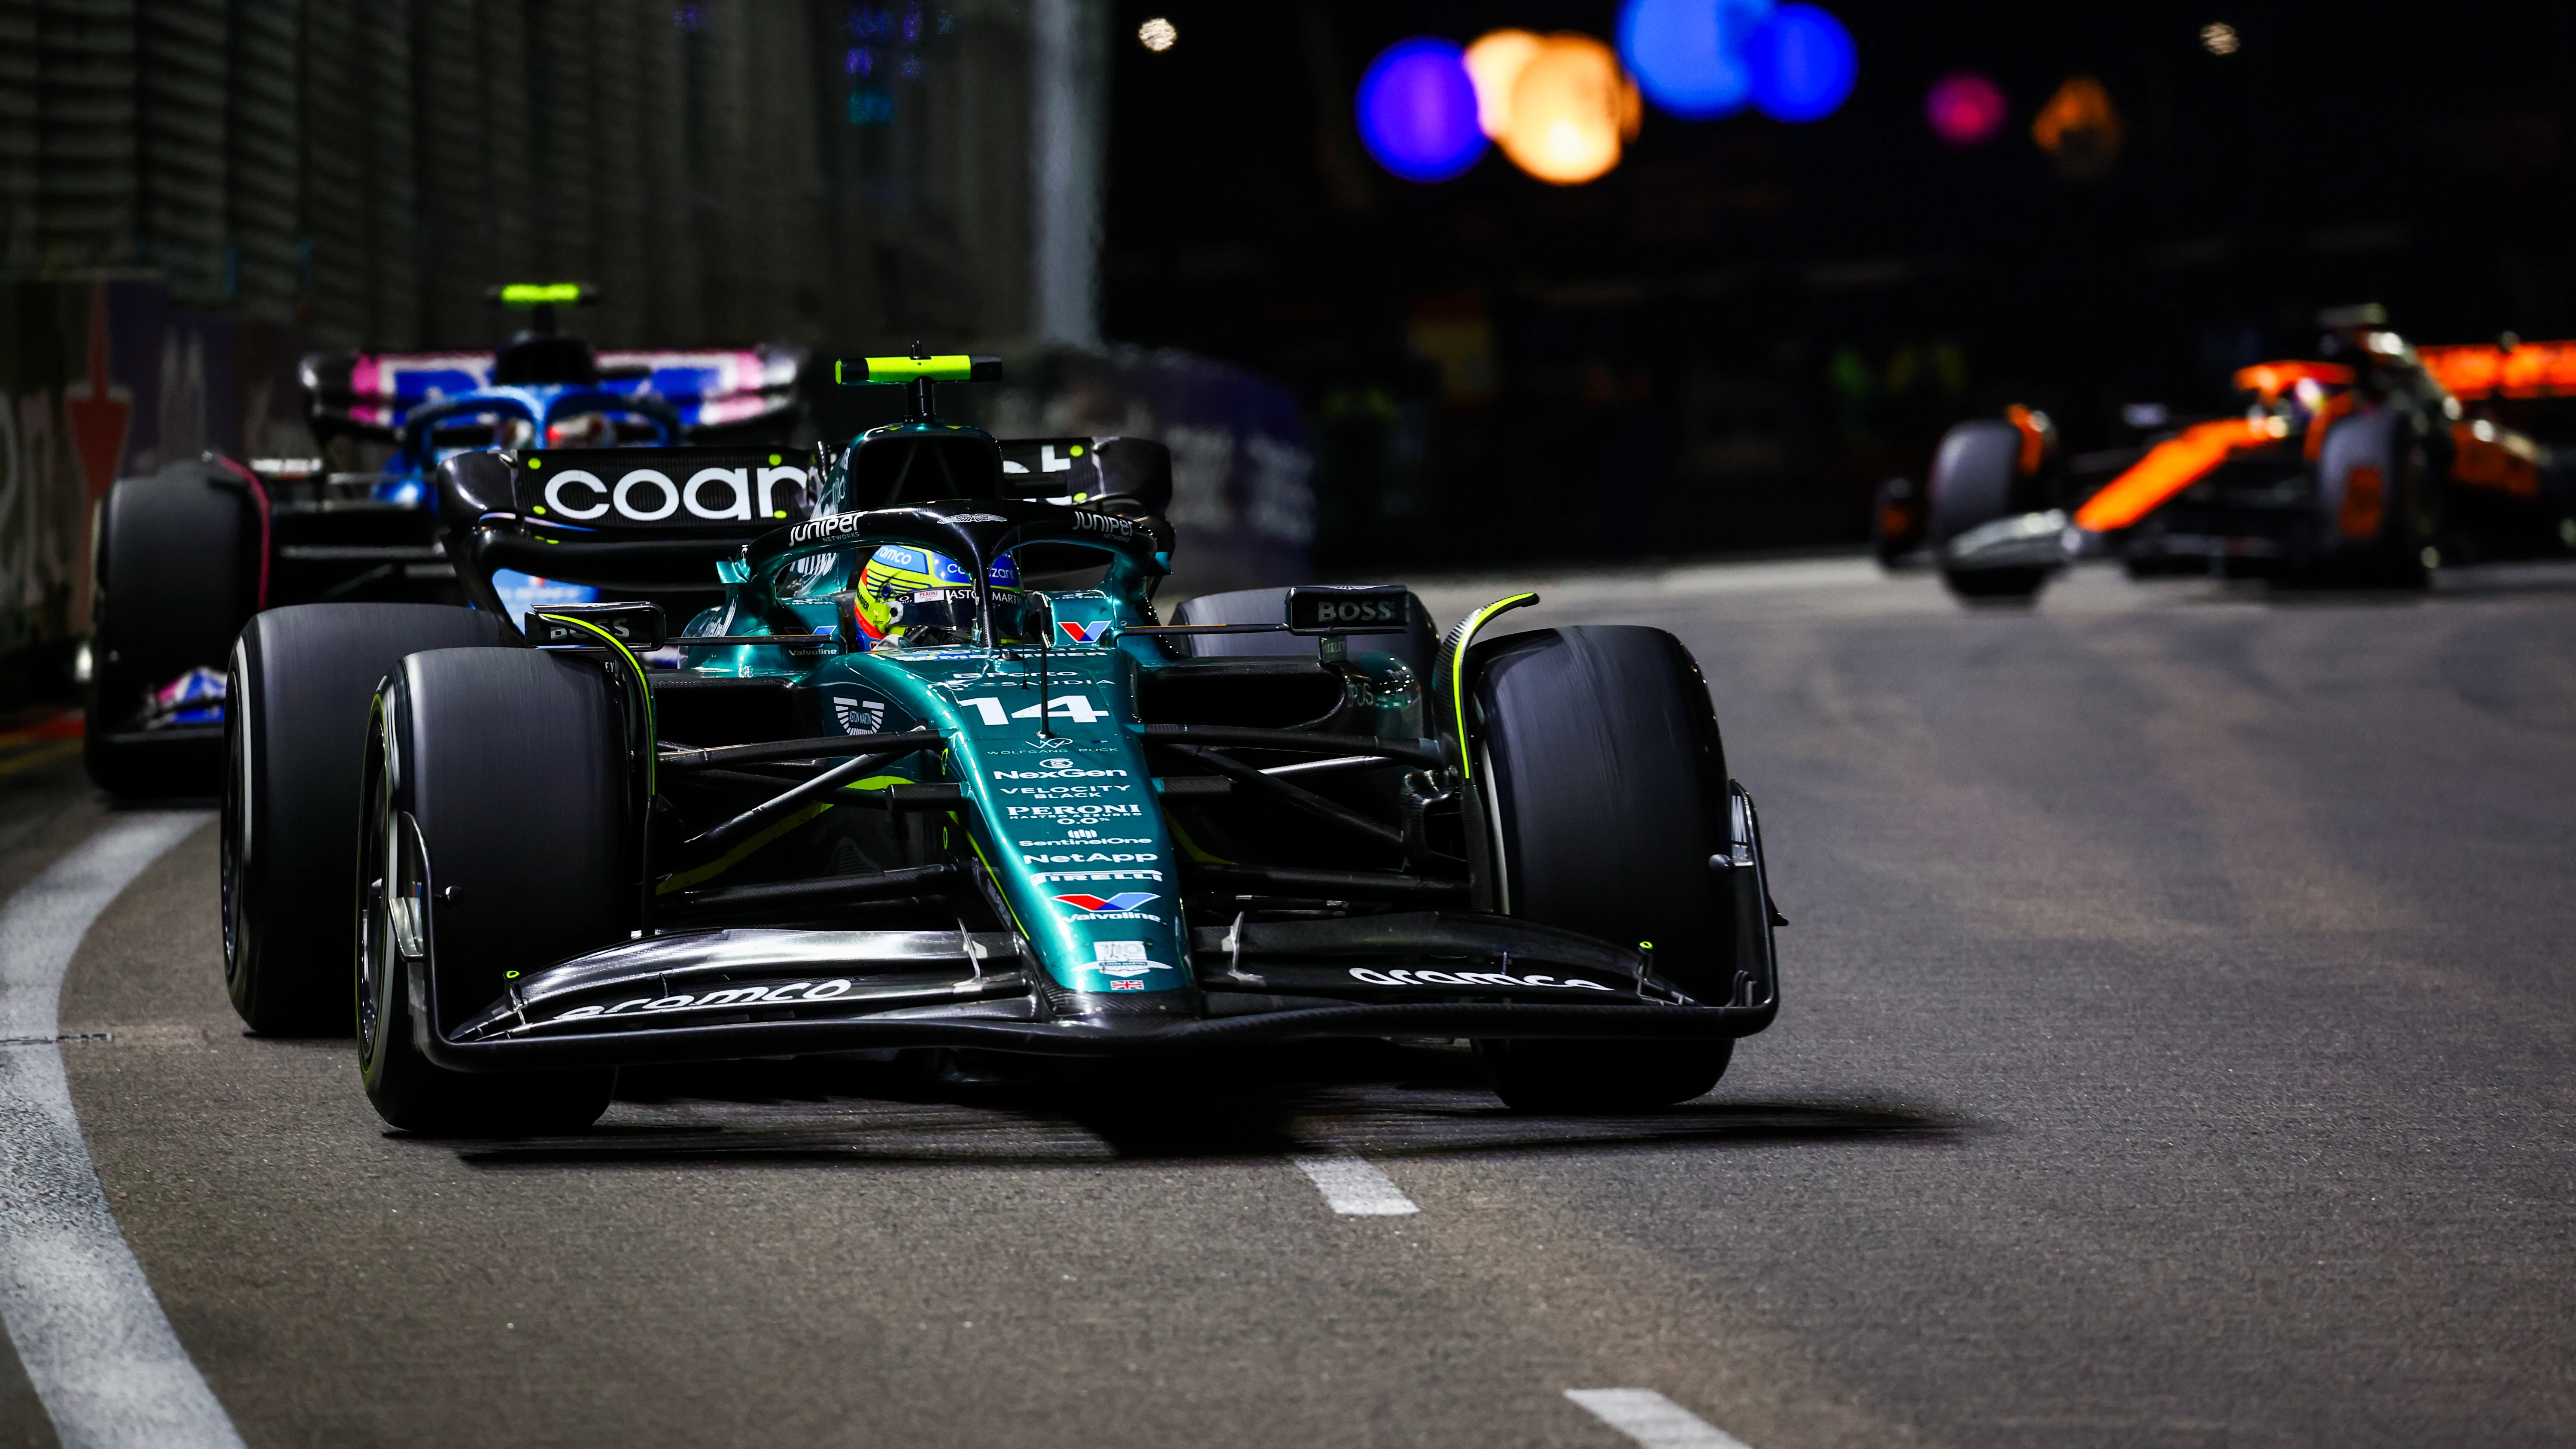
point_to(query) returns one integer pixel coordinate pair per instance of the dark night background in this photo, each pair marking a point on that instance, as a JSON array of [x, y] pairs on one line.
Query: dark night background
[[1730, 339]]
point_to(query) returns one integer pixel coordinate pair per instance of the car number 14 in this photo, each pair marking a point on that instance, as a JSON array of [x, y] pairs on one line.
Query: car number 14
[[1075, 707]]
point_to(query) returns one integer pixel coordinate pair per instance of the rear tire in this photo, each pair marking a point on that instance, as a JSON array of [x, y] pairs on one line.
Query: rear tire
[[298, 692], [177, 572], [1607, 778], [499, 817]]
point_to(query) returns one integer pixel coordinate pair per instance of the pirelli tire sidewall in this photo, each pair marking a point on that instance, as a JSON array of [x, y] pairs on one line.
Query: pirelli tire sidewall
[[301, 684], [511, 764], [506, 770], [1600, 753], [2408, 458], [1971, 482], [1975, 480]]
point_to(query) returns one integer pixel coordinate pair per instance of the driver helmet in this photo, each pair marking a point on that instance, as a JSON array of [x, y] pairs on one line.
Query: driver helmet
[[911, 597]]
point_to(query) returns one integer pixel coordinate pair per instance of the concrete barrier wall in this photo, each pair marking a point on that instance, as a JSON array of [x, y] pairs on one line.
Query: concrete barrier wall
[[100, 379]]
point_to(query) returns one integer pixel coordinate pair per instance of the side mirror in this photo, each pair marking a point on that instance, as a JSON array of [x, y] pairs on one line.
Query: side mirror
[[1349, 609]]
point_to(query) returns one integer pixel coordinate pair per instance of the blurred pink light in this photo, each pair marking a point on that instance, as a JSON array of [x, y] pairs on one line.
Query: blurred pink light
[[1965, 108]]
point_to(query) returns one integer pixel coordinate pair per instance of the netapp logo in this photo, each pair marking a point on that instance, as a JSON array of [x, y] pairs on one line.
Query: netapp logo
[[1472, 978], [734, 996], [648, 495]]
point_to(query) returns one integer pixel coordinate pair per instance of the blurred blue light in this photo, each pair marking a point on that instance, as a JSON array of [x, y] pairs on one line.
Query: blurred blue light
[[1803, 64], [1418, 110], [1688, 55]]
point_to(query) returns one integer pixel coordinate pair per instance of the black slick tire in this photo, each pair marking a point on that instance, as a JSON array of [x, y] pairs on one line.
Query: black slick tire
[[1972, 484], [299, 688], [498, 810], [1607, 780], [176, 561], [1995, 583]]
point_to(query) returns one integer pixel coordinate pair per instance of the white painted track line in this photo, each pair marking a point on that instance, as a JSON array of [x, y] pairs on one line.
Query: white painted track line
[[94, 1341], [1353, 1187], [1653, 1420]]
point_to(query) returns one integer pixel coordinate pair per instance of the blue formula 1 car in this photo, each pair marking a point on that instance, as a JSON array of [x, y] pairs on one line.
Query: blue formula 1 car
[[933, 773], [186, 555]]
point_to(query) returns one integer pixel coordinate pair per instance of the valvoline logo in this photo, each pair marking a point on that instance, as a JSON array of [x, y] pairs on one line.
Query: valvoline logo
[[1083, 633], [1123, 901]]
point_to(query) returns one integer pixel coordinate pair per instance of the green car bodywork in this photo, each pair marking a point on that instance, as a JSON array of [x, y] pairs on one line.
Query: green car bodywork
[[1065, 814]]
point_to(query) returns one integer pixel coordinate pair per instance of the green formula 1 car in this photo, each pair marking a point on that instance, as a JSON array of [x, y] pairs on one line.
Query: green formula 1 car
[[925, 769]]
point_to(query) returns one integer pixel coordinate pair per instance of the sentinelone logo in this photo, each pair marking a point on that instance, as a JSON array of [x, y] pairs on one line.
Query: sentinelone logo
[[647, 495]]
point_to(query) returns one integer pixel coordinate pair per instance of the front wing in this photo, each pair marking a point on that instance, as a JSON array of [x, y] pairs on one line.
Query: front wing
[[724, 994]]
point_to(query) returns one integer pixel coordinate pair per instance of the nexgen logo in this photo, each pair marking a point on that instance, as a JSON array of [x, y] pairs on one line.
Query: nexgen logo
[[649, 495]]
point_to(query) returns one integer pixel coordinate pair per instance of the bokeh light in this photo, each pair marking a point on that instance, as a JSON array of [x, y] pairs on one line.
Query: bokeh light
[[1571, 108], [1965, 108], [2219, 38], [2079, 129], [1803, 64], [1417, 110], [1157, 34], [1494, 64], [1689, 55]]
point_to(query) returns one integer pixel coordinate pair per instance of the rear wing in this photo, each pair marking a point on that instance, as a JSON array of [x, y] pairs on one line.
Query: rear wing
[[370, 393], [2485, 370]]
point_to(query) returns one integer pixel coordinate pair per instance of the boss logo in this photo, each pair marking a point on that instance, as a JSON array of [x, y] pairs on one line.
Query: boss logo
[[1357, 611], [1360, 611], [652, 495]]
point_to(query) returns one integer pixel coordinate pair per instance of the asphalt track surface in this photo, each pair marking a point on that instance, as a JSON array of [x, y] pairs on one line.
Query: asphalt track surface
[[2174, 1052]]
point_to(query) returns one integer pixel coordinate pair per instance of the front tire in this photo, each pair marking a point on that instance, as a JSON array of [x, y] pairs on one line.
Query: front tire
[[299, 689], [1609, 793], [1974, 482], [2014, 583], [499, 816]]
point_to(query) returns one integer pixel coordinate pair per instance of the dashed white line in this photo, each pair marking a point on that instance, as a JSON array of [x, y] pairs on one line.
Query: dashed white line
[[90, 1333], [1353, 1187], [1653, 1420]]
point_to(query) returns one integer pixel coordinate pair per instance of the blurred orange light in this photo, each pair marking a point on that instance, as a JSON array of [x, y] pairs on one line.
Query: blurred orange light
[[2079, 128], [1494, 64], [1571, 108]]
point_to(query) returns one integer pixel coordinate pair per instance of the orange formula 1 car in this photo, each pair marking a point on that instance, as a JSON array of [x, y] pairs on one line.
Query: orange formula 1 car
[[2368, 465]]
